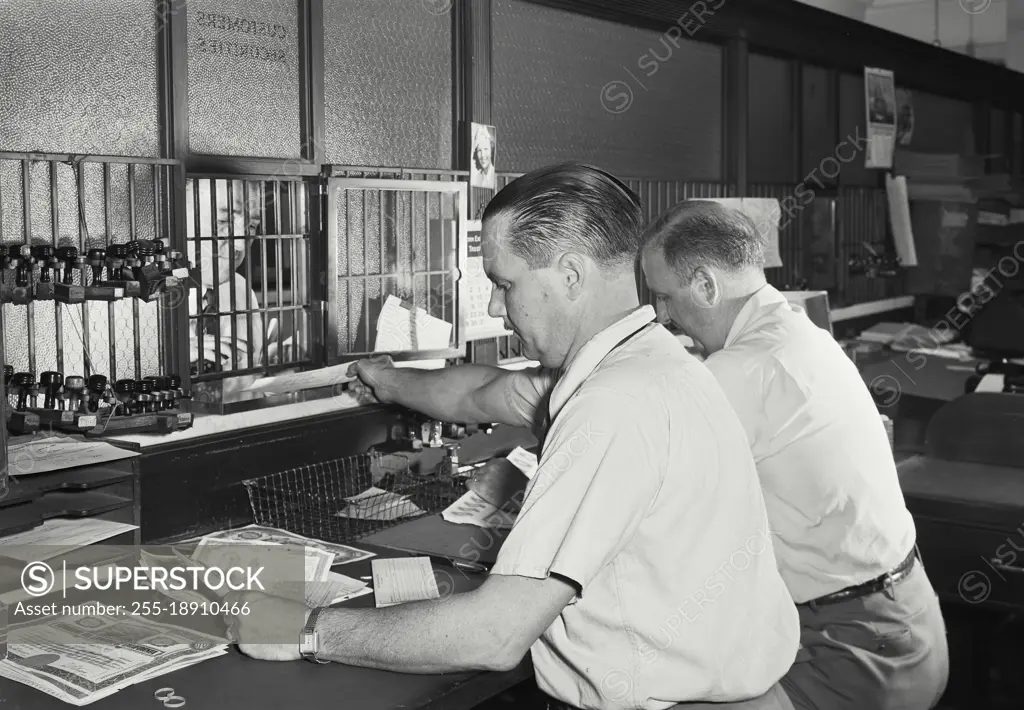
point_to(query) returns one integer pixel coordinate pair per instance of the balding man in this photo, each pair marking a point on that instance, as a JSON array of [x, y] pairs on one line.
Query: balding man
[[873, 636], [639, 571]]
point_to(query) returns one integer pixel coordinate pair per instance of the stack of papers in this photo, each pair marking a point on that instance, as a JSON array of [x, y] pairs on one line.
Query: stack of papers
[[318, 586], [57, 536], [275, 536], [80, 659], [377, 504], [55, 453]]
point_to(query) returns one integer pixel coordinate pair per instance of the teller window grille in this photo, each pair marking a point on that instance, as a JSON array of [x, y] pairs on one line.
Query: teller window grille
[[249, 301]]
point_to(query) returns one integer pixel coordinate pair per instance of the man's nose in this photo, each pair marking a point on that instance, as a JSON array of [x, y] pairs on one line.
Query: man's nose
[[496, 304]]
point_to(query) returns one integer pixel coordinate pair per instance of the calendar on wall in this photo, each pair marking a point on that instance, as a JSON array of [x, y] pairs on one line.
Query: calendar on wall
[[476, 290]]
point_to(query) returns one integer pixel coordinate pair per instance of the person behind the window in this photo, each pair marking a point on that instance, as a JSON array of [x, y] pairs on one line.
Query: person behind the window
[[224, 288]]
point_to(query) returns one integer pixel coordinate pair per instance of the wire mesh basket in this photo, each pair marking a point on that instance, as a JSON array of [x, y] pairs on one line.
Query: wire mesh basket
[[346, 499]]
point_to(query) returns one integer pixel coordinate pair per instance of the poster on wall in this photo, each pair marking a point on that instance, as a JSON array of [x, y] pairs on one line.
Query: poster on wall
[[880, 98], [904, 116], [475, 291], [482, 156], [766, 215]]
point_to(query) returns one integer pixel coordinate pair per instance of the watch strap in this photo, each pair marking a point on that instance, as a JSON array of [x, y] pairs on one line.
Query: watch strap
[[309, 640]]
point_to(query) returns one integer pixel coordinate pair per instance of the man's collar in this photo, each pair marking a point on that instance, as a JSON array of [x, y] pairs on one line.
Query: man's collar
[[593, 352], [767, 295]]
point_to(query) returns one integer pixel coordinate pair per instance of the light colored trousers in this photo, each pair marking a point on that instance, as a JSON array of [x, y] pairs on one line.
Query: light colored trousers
[[885, 651]]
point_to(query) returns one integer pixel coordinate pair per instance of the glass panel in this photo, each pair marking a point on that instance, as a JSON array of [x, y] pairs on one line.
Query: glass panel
[[388, 83], [770, 129], [818, 128], [79, 77], [243, 78], [636, 102], [393, 242]]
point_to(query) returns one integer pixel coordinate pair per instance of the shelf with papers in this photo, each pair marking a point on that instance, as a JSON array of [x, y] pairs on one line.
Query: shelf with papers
[[86, 504]]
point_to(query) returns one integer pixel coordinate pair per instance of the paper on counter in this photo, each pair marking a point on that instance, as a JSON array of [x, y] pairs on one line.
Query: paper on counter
[[58, 536], [471, 509], [377, 504], [56, 453], [335, 589], [401, 327], [224, 554], [991, 383], [275, 536], [404, 579], [765, 213], [91, 657], [524, 461], [899, 219]]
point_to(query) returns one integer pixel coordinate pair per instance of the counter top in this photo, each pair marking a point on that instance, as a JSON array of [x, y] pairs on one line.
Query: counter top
[[235, 681]]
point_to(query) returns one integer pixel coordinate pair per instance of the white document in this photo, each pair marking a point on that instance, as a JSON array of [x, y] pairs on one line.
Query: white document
[[275, 536], [765, 214], [377, 504], [524, 461], [991, 383], [401, 328], [404, 579], [333, 376], [57, 536], [55, 453], [471, 509], [899, 218]]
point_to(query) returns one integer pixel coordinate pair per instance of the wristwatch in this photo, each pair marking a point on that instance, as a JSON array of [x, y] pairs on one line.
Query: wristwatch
[[309, 640]]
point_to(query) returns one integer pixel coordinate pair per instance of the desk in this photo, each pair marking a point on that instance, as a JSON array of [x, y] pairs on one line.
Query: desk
[[910, 387], [238, 682]]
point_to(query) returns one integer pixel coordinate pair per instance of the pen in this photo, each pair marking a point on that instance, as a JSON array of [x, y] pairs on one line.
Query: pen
[[462, 565]]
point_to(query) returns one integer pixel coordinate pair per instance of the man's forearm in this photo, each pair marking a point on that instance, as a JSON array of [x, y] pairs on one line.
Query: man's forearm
[[448, 394], [422, 637]]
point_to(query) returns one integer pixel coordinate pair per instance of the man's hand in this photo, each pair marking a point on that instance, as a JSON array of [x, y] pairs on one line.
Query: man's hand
[[271, 628], [373, 383]]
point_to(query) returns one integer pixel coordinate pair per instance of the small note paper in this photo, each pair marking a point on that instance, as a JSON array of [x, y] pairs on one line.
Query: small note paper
[[524, 461], [401, 327], [402, 580], [471, 509]]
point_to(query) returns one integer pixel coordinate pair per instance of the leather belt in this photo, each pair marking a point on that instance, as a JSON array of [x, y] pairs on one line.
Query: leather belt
[[894, 576]]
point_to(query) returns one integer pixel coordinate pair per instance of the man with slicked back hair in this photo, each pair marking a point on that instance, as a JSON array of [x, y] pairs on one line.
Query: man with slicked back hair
[[639, 573]]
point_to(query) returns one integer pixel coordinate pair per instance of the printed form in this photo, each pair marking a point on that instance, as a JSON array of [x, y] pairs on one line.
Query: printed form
[[403, 579]]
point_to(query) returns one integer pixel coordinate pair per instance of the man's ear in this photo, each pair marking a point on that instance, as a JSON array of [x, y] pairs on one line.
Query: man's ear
[[706, 290], [572, 269]]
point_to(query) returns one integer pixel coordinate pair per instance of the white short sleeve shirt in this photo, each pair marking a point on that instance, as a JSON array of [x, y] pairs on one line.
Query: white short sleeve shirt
[[830, 482], [647, 499]]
